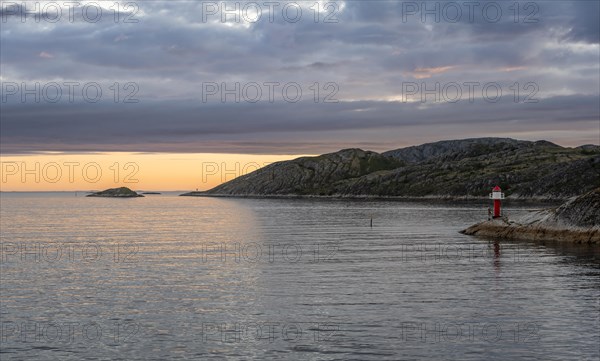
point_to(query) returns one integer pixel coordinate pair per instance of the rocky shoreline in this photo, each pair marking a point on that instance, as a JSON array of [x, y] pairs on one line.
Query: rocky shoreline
[[433, 198], [575, 221], [513, 230]]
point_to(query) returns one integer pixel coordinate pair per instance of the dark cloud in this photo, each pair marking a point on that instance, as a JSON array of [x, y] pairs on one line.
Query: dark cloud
[[372, 49], [585, 25], [199, 127]]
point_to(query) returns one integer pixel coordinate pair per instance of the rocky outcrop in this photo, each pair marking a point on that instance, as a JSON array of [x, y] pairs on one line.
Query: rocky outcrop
[[576, 221], [459, 149], [530, 173], [122, 192], [466, 168], [581, 212], [306, 175]]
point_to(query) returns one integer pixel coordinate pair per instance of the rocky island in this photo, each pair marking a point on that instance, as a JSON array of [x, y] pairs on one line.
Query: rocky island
[[122, 192], [575, 221], [451, 169]]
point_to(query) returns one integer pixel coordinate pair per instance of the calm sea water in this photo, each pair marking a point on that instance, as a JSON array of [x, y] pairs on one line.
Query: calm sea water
[[166, 277]]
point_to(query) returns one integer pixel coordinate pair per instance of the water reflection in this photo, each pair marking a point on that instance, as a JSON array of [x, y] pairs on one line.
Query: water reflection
[[206, 267], [496, 245]]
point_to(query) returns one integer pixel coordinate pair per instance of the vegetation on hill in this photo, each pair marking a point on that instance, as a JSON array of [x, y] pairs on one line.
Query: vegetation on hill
[[455, 168]]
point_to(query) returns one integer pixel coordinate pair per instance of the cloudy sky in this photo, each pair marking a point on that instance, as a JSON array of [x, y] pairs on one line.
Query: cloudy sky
[[377, 55], [388, 74], [299, 77]]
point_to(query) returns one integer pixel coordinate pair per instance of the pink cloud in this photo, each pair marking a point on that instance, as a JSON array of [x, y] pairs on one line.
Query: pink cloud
[[424, 73]]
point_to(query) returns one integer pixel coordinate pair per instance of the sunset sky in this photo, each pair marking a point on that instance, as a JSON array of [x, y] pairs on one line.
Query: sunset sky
[[205, 94]]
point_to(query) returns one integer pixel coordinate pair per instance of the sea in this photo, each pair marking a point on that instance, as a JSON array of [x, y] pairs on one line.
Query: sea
[[166, 277]]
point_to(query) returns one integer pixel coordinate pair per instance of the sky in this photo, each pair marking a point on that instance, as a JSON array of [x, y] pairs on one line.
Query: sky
[[177, 87]]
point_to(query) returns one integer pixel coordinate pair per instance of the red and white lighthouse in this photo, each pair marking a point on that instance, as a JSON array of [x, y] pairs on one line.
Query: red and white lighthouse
[[497, 195]]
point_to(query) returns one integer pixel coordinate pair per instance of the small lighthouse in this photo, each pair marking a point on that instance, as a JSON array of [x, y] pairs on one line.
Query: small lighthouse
[[497, 195]]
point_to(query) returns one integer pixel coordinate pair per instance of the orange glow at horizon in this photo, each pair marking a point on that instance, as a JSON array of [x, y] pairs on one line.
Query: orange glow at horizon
[[138, 171]]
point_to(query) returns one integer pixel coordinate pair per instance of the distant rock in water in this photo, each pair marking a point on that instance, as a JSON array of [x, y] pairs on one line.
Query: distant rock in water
[[150, 192], [466, 168], [576, 221], [122, 192]]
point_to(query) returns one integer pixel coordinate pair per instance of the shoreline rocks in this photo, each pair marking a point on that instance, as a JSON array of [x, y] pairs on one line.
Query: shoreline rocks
[[430, 198], [512, 230], [575, 221]]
